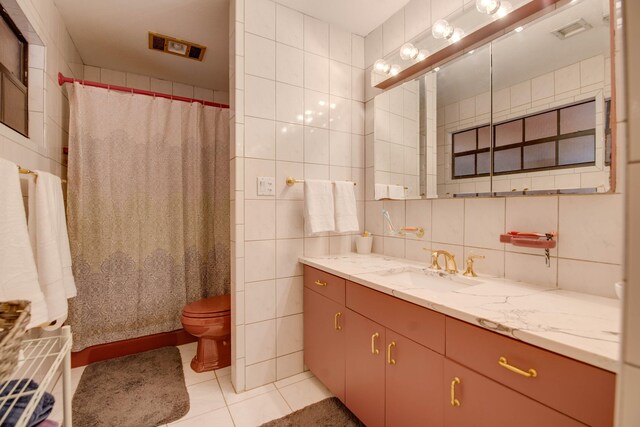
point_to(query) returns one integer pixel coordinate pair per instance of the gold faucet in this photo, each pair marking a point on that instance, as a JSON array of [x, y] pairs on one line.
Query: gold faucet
[[469, 272], [449, 259]]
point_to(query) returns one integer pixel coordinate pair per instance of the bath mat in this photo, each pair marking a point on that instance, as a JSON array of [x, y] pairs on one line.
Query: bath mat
[[144, 389], [327, 412]]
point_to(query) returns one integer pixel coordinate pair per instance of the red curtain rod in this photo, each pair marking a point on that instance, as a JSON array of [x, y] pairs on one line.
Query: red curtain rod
[[62, 80]]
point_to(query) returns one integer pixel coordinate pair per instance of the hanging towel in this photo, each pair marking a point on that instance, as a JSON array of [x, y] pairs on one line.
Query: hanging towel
[[50, 243], [382, 191], [18, 276], [396, 192], [318, 206], [346, 211]]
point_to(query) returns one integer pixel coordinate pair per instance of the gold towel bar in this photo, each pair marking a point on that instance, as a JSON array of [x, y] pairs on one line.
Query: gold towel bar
[[25, 171], [291, 180]]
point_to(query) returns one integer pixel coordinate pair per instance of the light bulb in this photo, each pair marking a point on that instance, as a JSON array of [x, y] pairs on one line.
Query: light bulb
[[394, 70], [441, 29], [458, 33], [488, 6], [408, 52], [505, 8], [517, 30], [422, 55], [381, 66]]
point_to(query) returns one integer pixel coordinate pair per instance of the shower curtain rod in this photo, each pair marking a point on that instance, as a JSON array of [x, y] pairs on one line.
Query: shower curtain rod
[[62, 80]]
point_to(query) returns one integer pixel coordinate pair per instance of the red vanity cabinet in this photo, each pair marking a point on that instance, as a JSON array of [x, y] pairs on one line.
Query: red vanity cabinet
[[324, 340], [391, 379], [474, 400]]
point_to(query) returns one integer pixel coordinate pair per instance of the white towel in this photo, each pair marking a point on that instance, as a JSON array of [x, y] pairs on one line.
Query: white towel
[[50, 243], [345, 203], [18, 275], [381, 191], [318, 206], [396, 192]]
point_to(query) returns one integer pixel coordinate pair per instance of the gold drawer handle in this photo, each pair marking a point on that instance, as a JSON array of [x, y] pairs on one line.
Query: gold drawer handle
[[531, 373], [454, 402], [391, 360], [374, 350], [336, 323], [320, 283]]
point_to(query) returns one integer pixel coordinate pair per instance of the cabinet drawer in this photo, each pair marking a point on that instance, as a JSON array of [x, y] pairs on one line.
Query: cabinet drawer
[[581, 391], [420, 324], [324, 283]]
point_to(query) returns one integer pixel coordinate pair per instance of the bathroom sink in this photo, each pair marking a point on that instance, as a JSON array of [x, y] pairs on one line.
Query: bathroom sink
[[424, 278]]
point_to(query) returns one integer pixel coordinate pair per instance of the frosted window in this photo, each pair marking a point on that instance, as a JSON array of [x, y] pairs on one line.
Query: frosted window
[[577, 150], [577, 118], [541, 126], [508, 133], [540, 155], [484, 163], [507, 160], [484, 137], [465, 165], [10, 50], [464, 141]]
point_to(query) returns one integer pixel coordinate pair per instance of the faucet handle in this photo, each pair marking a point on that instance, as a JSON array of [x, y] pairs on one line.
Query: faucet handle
[[469, 272], [434, 258]]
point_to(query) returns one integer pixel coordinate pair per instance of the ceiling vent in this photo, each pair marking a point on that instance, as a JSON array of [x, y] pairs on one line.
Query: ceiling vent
[[176, 46], [572, 29]]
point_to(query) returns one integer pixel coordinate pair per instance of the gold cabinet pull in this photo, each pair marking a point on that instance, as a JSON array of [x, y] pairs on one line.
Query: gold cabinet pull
[[374, 350], [531, 373], [320, 283], [454, 402], [336, 323], [390, 360]]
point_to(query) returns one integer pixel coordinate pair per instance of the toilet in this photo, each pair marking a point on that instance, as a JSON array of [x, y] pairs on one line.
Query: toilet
[[209, 320]]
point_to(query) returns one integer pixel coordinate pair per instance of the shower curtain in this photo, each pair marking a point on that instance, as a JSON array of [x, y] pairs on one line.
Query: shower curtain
[[148, 211]]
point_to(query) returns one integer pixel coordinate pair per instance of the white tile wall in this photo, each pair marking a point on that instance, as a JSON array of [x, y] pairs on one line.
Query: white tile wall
[[297, 111]]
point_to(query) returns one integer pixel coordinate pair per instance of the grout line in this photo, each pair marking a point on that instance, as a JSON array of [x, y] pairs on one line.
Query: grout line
[[285, 400]]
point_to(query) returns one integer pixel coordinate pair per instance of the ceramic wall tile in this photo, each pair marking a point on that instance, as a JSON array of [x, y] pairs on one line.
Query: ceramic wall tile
[[260, 301], [260, 57], [260, 219], [289, 65], [260, 18], [260, 341], [447, 221], [339, 45], [484, 222], [289, 26], [594, 278], [289, 334], [316, 36], [289, 296]]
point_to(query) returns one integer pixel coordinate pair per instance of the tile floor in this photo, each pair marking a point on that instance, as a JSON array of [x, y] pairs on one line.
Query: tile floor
[[214, 402]]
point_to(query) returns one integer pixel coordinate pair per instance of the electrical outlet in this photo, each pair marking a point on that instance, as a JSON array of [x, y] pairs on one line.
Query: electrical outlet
[[266, 186]]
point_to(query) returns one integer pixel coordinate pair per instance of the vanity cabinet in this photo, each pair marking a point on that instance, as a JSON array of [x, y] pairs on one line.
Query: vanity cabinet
[[581, 391], [395, 363], [390, 380], [476, 401], [324, 326]]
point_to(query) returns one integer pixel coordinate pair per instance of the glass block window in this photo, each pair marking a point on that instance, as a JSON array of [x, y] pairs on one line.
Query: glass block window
[[13, 76]]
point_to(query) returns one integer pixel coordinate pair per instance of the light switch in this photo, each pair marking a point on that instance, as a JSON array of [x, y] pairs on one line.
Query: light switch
[[266, 186]]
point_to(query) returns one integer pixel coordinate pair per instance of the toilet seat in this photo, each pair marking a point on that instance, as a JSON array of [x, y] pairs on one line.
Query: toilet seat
[[212, 307]]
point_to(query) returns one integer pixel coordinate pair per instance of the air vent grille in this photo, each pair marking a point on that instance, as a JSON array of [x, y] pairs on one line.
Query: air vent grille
[[175, 46], [571, 29]]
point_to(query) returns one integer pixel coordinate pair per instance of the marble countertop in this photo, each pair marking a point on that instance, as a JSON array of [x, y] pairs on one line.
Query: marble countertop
[[583, 327]]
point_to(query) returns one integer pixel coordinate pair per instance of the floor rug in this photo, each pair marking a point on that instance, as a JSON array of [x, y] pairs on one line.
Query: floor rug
[[327, 413], [144, 389]]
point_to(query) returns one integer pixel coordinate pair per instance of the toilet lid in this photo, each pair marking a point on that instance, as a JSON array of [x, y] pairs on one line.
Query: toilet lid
[[208, 307]]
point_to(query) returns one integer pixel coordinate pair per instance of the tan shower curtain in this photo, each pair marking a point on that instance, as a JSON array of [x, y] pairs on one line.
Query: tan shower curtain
[[148, 211]]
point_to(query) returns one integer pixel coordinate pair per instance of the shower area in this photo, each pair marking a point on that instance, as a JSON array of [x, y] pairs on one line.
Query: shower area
[[148, 210]]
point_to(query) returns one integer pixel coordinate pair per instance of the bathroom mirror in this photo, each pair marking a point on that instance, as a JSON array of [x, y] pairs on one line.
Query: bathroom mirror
[[528, 113]]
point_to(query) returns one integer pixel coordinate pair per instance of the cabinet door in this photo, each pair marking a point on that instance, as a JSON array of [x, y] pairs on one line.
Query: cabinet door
[[324, 330], [365, 369], [413, 383], [481, 402]]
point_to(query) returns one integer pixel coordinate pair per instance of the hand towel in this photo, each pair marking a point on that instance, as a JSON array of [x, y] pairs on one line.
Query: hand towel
[[381, 191], [18, 275], [50, 243], [396, 192], [318, 206], [346, 214]]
